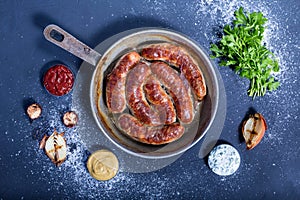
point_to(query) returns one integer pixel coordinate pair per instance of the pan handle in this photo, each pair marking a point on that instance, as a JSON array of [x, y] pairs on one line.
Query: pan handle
[[61, 38]]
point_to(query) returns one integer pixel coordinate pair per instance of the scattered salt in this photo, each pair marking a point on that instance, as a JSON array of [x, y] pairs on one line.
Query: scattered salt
[[73, 173]]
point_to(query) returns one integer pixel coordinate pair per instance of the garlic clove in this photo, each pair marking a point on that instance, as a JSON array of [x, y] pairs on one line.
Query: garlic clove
[[70, 119], [34, 111]]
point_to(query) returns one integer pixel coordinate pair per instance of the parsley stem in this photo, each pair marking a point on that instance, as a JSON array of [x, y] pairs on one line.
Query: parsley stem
[[241, 48]]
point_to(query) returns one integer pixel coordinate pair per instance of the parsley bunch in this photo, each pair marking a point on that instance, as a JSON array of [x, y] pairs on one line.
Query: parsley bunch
[[241, 49]]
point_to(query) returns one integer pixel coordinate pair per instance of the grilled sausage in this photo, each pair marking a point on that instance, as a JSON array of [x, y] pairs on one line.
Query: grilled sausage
[[181, 97], [115, 89], [160, 100], [178, 57], [135, 96], [155, 135]]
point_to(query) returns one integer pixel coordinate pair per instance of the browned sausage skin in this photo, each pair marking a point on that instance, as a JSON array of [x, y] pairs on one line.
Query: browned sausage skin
[[135, 96], [115, 88], [160, 100], [178, 57], [181, 97], [155, 135]]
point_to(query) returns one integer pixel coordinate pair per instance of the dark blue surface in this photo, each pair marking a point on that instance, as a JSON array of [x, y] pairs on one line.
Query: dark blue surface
[[270, 171]]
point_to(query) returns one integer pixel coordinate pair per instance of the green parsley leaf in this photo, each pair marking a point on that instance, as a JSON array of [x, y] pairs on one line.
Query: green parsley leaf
[[242, 50]]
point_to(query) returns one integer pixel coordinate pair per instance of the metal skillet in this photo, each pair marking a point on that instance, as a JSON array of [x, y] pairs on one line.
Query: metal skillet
[[205, 113]]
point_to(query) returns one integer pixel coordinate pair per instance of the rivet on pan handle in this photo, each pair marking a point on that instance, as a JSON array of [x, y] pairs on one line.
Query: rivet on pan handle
[[61, 38]]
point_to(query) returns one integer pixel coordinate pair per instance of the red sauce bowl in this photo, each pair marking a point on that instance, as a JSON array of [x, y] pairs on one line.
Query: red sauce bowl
[[58, 80]]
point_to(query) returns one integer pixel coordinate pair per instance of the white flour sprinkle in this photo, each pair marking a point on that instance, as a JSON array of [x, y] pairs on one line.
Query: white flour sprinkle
[[73, 174]]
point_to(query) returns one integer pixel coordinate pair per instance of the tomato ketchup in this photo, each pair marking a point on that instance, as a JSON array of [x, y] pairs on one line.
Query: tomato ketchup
[[58, 80]]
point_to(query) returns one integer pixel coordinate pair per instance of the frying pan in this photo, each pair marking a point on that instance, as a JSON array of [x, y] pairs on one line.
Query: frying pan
[[205, 112]]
